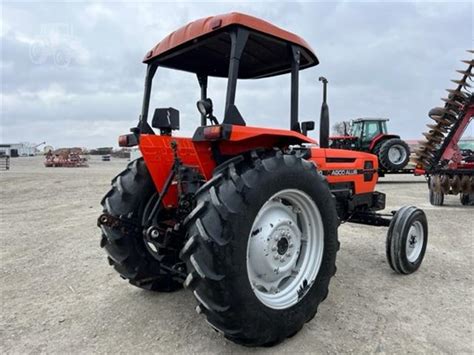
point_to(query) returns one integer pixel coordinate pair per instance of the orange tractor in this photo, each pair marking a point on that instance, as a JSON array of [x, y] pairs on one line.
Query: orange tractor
[[245, 217]]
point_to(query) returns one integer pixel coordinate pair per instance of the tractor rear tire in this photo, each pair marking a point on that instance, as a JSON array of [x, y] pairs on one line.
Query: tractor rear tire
[[407, 239], [394, 154], [127, 198], [222, 250]]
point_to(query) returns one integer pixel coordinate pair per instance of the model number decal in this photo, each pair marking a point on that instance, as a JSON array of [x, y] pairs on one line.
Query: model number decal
[[342, 172]]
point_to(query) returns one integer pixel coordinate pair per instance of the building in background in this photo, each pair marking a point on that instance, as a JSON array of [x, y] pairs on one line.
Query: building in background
[[18, 149]]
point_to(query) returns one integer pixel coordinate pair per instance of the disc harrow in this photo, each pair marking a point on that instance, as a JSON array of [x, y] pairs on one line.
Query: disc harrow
[[438, 155]]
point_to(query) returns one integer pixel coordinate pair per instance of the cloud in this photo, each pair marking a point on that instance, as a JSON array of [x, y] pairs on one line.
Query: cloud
[[72, 72]]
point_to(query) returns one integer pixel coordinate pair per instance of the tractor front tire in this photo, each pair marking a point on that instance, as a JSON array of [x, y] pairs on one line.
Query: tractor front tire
[[261, 247], [394, 154], [130, 192], [407, 239]]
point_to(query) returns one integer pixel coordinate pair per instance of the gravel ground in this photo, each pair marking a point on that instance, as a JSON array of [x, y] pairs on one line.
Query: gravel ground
[[59, 294]]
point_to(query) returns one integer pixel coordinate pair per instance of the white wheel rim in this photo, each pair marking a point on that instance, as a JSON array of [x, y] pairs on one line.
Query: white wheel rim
[[397, 154], [415, 241], [285, 248]]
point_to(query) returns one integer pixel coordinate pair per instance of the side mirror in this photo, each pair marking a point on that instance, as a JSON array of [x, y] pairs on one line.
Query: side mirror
[[306, 127], [166, 119]]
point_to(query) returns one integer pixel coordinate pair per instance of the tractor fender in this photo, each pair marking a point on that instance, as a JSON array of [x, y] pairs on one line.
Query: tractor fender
[[233, 140], [381, 137], [244, 138]]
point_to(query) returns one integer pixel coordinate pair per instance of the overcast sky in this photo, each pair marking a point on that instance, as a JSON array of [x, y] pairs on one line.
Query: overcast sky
[[72, 72]]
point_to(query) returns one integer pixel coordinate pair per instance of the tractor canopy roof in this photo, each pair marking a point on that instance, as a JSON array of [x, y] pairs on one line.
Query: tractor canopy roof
[[369, 119], [204, 46]]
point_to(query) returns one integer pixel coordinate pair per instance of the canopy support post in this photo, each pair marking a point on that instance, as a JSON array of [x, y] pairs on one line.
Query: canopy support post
[[295, 68], [239, 39], [143, 125], [202, 79]]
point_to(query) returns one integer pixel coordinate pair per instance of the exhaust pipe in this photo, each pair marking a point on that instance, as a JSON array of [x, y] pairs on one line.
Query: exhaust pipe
[[324, 119]]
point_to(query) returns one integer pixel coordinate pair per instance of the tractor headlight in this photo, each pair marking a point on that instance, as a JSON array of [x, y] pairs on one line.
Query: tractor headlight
[[369, 170], [205, 107]]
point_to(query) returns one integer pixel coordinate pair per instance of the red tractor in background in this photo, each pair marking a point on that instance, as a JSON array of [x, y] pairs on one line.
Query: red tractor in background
[[370, 135], [245, 217]]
